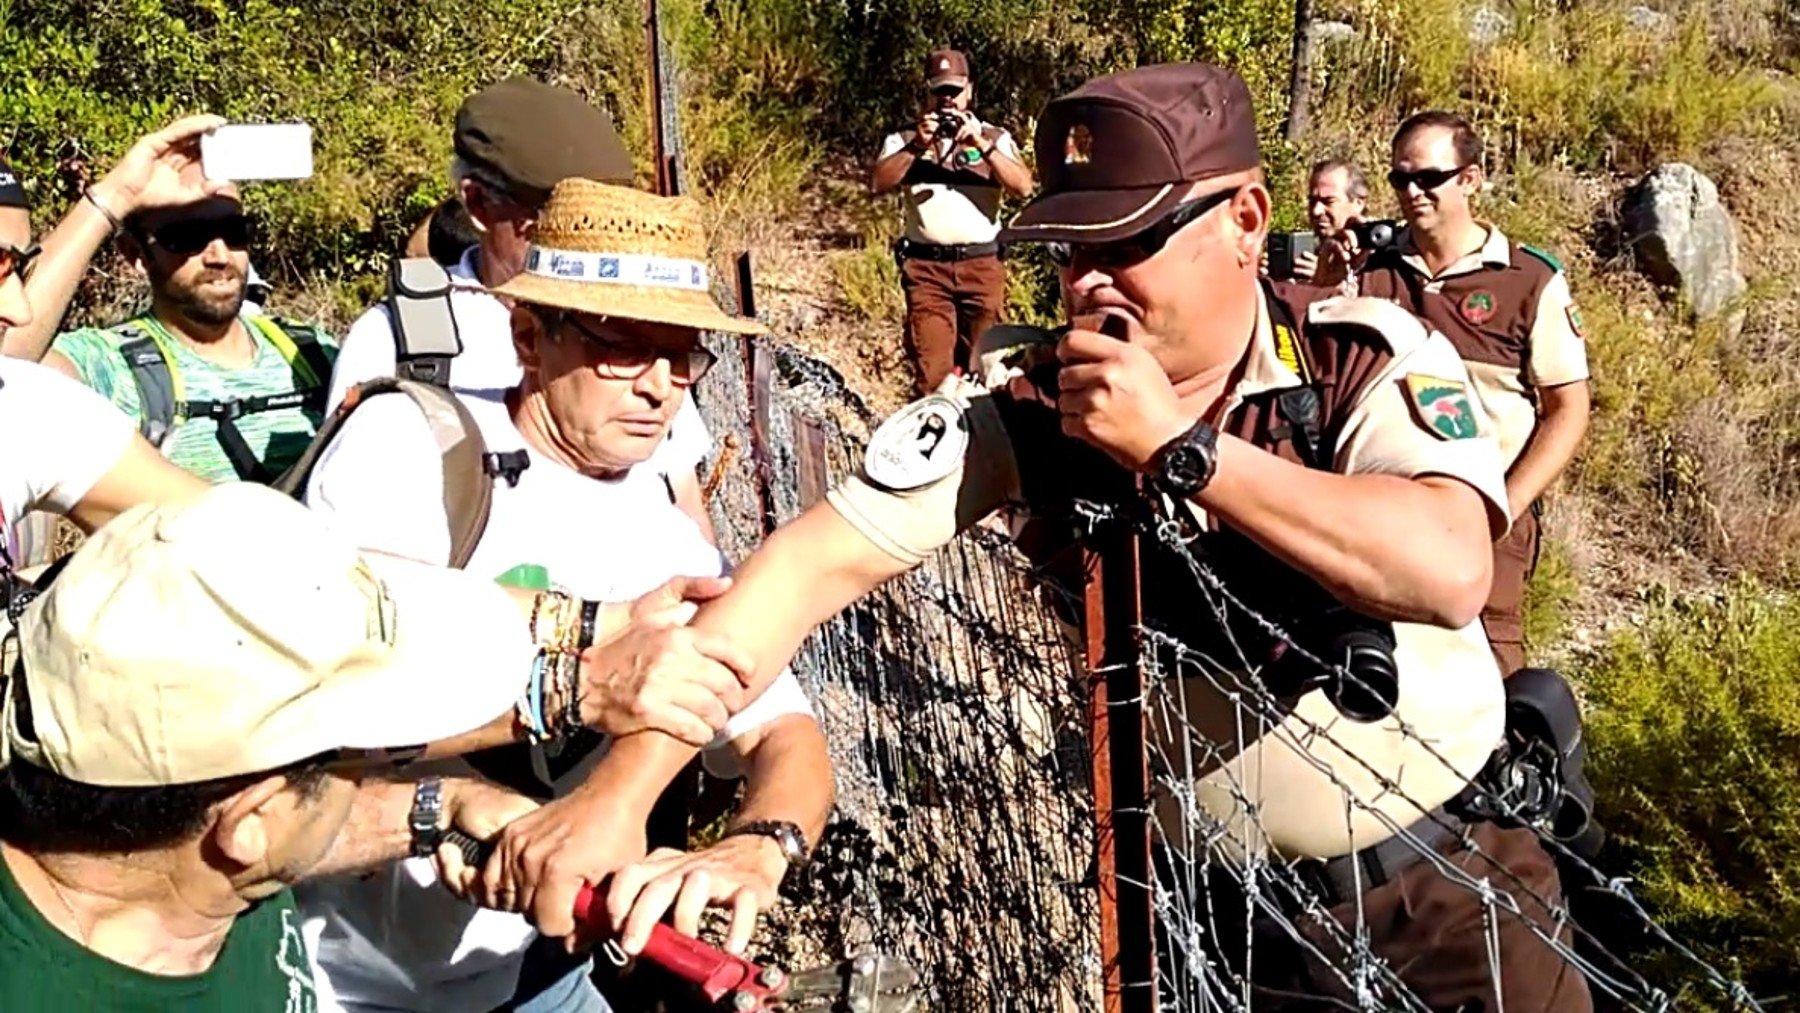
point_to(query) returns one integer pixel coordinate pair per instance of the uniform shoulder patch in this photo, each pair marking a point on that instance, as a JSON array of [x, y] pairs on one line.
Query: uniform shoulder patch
[[1442, 406], [1399, 330], [921, 444], [1543, 255]]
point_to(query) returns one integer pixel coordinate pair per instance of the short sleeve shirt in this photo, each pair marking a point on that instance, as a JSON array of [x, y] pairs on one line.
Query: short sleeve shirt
[[262, 968], [277, 438], [1404, 411], [1508, 312], [946, 203], [74, 438]]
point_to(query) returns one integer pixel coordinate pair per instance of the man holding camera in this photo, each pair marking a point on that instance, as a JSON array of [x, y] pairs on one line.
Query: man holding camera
[[952, 170], [1320, 454], [1508, 310]]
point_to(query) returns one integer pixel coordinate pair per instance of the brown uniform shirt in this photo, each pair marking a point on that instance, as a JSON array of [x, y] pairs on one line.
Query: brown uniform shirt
[[1509, 313], [1393, 402]]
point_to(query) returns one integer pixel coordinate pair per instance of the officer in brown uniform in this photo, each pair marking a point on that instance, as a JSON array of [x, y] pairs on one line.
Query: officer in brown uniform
[[951, 169], [1325, 458], [1508, 311]]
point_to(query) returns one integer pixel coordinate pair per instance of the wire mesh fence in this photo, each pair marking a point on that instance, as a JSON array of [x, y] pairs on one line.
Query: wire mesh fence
[[958, 717]]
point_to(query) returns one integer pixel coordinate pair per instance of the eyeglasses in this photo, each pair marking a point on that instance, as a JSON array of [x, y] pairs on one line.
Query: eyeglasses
[[189, 236], [1140, 245], [1425, 179], [628, 360], [16, 261]]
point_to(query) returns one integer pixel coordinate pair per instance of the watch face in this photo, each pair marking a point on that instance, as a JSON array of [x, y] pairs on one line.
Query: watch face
[[1184, 466]]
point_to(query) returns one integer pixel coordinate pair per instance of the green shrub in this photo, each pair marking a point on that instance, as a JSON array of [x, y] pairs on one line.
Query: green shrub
[[1694, 731]]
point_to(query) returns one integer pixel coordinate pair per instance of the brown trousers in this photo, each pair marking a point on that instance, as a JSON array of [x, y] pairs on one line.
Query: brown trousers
[[1515, 557], [1434, 934], [948, 305]]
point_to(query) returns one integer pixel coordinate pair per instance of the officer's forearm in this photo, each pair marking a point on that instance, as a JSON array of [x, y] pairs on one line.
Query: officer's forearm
[[1011, 172], [1562, 422], [1415, 550], [890, 171], [67, 251], [805, 573]]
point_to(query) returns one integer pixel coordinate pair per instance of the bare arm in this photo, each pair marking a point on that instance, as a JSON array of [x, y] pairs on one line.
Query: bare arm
[[1013, 174], [1562, 422], [891, 170], [377, 832], [162, 169], [1414, 550], [141, 476]]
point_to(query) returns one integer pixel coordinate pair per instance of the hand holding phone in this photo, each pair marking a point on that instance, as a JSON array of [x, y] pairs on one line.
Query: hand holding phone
[[257, 151]]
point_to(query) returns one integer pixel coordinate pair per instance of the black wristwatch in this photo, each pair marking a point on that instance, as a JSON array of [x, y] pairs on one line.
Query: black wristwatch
[[426, 816], [787, 836], [1186, 463]]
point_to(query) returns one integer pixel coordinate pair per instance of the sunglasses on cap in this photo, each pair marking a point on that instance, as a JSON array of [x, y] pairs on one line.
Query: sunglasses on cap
[[16, 261], [189, 236], [627, 360], [1140, 245], [1424, 179]]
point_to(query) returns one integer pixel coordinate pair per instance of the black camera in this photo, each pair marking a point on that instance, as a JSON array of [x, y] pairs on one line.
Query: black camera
[[1359, 675], [1375, 236], [1287, 247], [948, 124]]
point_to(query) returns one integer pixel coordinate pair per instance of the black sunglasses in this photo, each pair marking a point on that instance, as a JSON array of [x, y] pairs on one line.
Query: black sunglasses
[[16, 261], [190, 236], [1140, 245], [632, 359], [1424, 179]]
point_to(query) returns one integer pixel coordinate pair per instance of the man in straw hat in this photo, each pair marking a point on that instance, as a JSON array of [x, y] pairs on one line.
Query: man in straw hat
[[190, 719], [513, 141], [607, 316], [1322, 458]]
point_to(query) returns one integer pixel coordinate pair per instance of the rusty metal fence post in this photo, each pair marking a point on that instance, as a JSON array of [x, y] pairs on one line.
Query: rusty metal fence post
[[1120, 764]]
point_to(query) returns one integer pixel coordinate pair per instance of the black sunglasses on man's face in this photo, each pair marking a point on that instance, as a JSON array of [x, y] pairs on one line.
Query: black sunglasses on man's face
[[189, 236], [1140, 245], [1426, 180], [16, 261]]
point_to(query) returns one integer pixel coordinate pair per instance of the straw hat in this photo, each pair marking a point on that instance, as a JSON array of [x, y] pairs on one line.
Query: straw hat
[[618, 252]]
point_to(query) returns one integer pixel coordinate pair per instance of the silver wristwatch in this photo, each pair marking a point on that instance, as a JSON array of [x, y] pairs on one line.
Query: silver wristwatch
[[787, 836], [426, 817]]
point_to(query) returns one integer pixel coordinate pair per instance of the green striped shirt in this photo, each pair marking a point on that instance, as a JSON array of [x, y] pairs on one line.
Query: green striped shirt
[[276, 437]]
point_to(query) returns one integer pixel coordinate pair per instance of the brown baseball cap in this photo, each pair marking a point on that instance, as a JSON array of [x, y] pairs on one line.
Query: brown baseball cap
[[946, 66], [535, 135], [1119, 152]]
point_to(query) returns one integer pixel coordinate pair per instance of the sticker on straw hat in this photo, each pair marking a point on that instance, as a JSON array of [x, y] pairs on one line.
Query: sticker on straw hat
[[618, 268], [921, 445]]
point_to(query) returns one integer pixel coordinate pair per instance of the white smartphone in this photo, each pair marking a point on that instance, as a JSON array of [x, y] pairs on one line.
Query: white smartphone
[[245, 151]]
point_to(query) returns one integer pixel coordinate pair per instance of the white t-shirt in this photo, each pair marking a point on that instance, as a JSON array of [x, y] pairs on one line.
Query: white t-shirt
[[488, 364], [395, 940], [59, 439]]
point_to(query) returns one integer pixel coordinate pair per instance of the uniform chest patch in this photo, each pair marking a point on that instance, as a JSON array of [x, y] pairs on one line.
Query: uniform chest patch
[[922, 444], [1477, 307], [1575, 322], [1442, 406]]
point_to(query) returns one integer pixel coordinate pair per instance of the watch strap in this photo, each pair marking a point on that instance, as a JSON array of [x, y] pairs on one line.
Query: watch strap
[[425, 819], [792, 840]]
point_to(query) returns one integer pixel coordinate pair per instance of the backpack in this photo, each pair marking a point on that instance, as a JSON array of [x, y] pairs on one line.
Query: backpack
[[425, 340], [150, 356]]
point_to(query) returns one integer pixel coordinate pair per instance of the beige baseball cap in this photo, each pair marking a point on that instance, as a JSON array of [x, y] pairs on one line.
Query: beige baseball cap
[[234, 633]]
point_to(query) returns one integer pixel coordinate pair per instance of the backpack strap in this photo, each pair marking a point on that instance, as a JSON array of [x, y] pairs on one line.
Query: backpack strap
[[468, 484], [300, 347], [152, 366], [425, 333]]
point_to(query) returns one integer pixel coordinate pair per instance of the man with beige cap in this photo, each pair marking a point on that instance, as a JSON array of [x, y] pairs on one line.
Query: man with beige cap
[[194, 715], [606, 322], [1333, 696]]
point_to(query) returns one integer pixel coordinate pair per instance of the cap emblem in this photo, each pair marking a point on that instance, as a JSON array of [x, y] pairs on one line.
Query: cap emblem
[[1078, 148]]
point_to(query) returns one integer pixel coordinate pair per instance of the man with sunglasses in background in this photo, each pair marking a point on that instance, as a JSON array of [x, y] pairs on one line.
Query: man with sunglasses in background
[[606, 321], [223, 393], [1322, 460], [952, 170], [1507, 309]]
